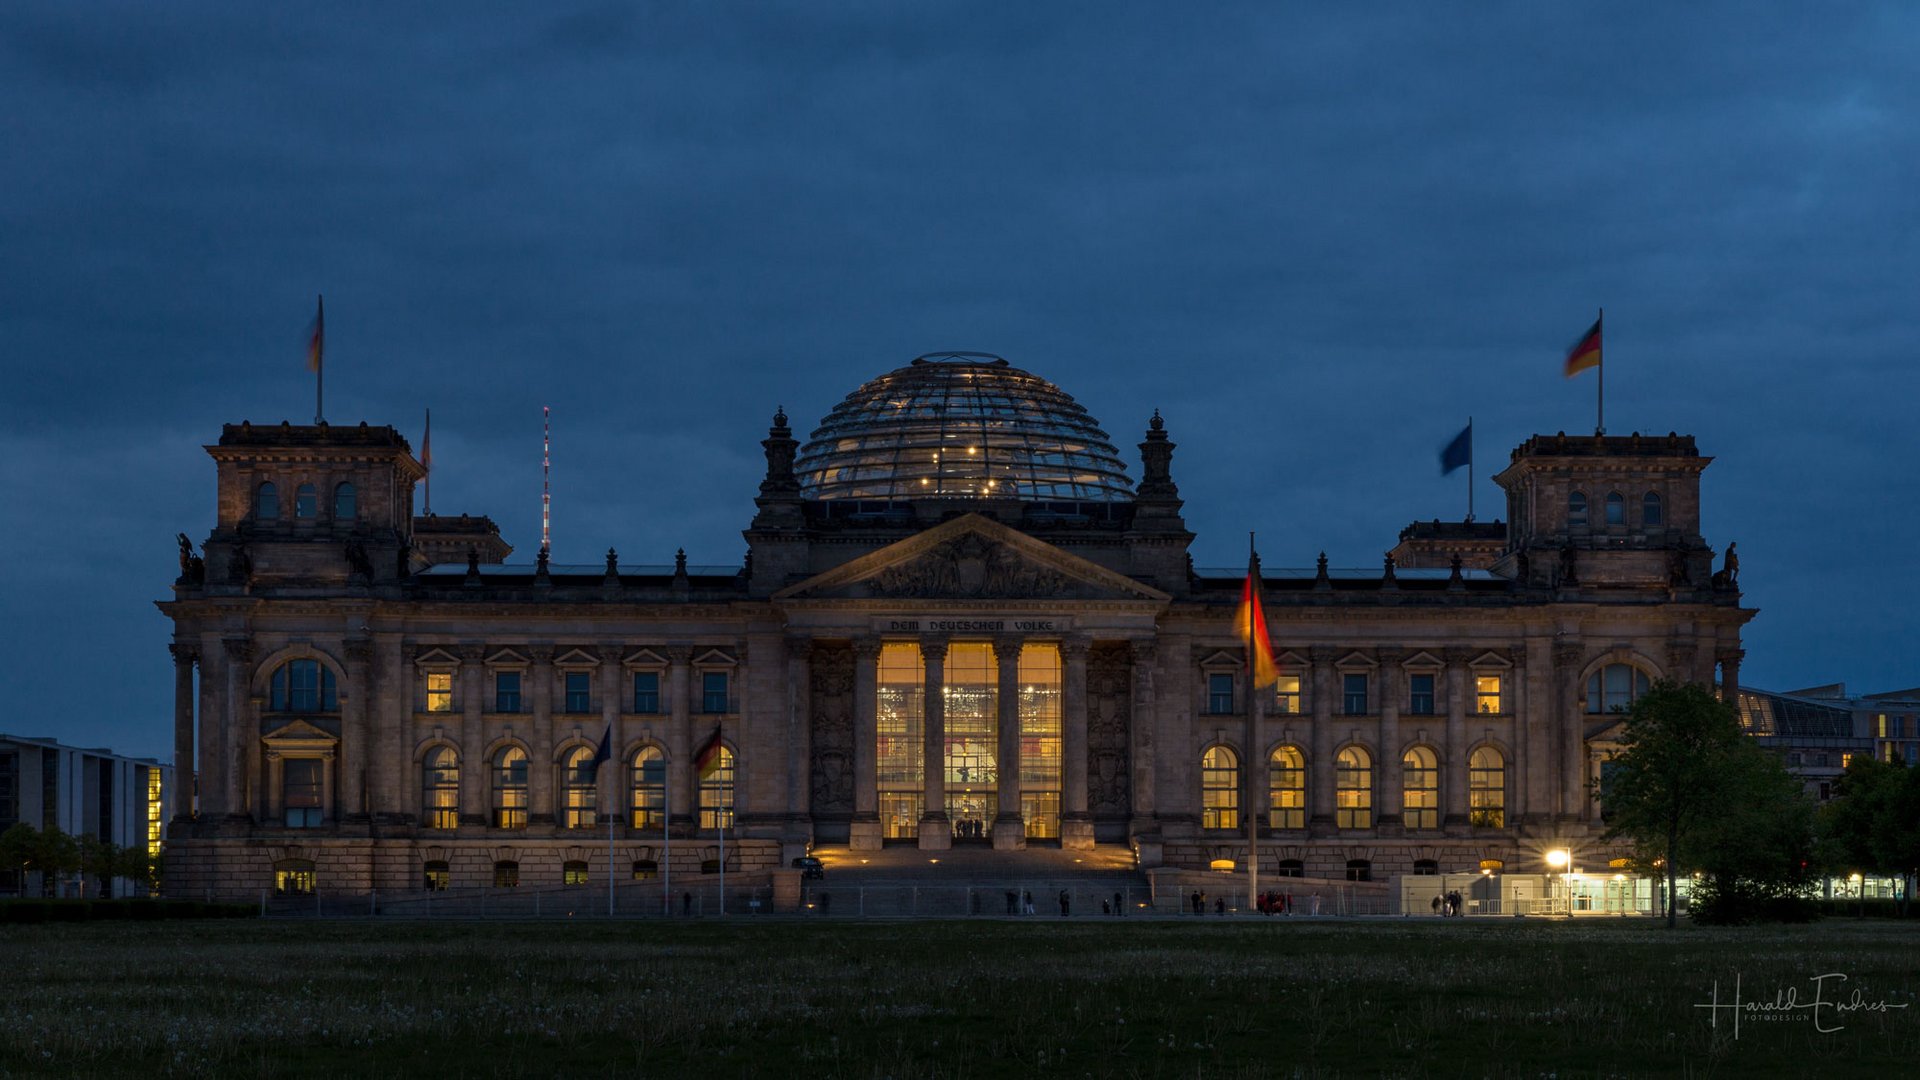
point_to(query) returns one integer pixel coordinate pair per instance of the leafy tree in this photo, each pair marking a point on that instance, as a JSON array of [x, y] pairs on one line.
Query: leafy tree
[[1692, 793], [1873, 825], [1755, 849], [50, 852]]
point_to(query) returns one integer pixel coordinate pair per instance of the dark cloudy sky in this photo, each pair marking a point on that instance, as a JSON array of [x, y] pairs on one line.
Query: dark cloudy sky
[[1316, 237]]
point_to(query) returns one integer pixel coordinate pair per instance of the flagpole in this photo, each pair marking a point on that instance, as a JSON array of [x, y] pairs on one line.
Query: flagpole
[[720, 819], [426, 449], [666, 849], [609, 859], [1469, 468], [1253, 729], [1600, 391], [319, 358]]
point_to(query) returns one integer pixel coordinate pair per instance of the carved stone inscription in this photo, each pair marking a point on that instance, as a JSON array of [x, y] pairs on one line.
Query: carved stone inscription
[[968, 566], [1109, 709], [831, 710]]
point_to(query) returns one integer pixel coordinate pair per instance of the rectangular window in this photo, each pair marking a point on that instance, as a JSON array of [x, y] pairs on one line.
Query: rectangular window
[[506, 691], [1356, 694], [1487, 694], [1846, 760], [579, 692], [713, 692], [646, 692], [439, 691], [300, 778], [1420, 698], [1220, 695], [1286, 695], [1881, 719]]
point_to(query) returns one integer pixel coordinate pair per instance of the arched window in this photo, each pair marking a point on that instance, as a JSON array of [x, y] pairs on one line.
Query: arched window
[[506, 874], [573, 872], [266, 502], [1615, 688], [1220, 789], [1292, 868], [1577, 508], [1287, 789], [1487, 788], [1616, 509], [649, 789], [1426, 867], [1421, 791], [510, 789], [346, 506], [1353, 789], [438, 876], [1651, 512], [580, 797], [1359, 870], [716, 793], [440, 789], [303, 686], [306, 502], [294, 877]]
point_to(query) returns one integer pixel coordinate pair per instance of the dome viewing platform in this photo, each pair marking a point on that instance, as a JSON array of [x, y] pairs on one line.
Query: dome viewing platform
[[959, 425]]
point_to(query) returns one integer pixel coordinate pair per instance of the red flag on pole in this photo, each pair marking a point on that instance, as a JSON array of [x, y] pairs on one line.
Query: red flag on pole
[[1250, 622]]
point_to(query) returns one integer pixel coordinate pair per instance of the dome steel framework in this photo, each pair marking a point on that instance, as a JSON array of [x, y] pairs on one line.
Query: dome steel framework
[[961, 425]]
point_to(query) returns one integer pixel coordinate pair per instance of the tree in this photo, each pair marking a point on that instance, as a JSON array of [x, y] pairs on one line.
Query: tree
[[49, 852], [1756, 847], [1692, 793], [1873, 825]]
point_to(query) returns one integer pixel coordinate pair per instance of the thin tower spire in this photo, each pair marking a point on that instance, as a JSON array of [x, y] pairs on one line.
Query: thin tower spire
[[546, 487]]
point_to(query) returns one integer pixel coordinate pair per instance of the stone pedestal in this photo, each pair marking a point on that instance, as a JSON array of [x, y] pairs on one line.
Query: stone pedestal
[[936, 833], [864, 835], [1076, 834], [1009, 832]]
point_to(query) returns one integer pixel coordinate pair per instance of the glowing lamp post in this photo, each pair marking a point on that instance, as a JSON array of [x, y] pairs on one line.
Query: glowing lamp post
[[1559, 859]]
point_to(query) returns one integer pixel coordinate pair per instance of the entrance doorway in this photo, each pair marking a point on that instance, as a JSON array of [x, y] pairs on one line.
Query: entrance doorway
[[971, 813]]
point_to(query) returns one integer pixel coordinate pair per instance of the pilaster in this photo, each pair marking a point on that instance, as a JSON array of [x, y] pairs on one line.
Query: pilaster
[[1009, 828], [1076, 824], [864, 834]]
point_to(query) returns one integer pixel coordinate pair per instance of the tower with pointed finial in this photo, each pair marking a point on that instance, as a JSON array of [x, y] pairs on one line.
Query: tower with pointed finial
[[1158, 539], [776, 541]]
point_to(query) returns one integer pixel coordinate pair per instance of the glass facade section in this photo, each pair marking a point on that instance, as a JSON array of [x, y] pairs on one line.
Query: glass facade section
[[972, 699], [1040, 733], [900, 723], [1287, 789], [1420, 793], [959, 425]]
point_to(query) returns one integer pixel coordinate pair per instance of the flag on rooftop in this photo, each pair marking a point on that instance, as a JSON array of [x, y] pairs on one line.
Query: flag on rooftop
[[1250, 623], [706, 761], [1459, 452], [317, 334], [1585, 352]]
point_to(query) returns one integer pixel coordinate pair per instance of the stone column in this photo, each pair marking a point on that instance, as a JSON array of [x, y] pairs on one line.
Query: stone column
[[238, 752], [1453, 771], [1009, 830], [613, 775], [936, 829], [210, 783], [680, 808], [184, 657], [1076, 824], [864, 834], [799, 831], [1566, 741], [1141, 759], [1730, 675], [1320, 769], [1522, 707], [393, 684], [351, 762], [1393, 687], [540, 766]]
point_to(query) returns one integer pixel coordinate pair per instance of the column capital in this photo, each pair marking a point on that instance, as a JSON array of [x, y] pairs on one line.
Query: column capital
[[1006, 647], [239, 650], [471, 654], [799, 648], [1075, 647], [1145, 650], [1567, 653], [866, 648], [1730, 656], [1459, 655], [540, 654], [612, 651], [1323, 655], [679, 655], [1390, 655], [185, 655], [934, 646]]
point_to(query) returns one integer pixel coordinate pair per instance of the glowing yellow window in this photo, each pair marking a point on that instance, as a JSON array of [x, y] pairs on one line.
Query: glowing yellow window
[[439, 691], [1487, 691]]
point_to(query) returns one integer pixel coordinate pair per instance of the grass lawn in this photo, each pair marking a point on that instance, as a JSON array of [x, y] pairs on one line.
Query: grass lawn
[[1424, 997]]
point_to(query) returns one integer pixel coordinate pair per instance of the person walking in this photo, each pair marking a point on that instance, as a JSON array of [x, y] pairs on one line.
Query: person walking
[[1027, 900], [1436, 903], [1064, 899], [1117, 908]]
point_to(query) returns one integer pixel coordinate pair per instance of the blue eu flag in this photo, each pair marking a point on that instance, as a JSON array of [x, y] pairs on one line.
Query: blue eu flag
[[605, 753], [1459, 452]]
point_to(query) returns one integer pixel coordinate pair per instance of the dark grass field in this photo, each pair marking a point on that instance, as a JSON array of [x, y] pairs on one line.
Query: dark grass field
[[1200, 998]]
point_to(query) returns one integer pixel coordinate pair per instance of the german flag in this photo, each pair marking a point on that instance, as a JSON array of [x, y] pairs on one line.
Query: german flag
[[317, 335], [1585, 352], [1250, 623], [707, 760]]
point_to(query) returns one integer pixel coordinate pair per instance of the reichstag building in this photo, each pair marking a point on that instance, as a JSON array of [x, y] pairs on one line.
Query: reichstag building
[[963, 619]]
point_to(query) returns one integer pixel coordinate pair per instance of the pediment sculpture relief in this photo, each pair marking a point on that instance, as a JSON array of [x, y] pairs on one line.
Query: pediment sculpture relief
[[969, 566]]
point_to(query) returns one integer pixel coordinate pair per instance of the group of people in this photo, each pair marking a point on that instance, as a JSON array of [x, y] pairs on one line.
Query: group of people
[[1276, 903], [969, 829], [1447, 904]]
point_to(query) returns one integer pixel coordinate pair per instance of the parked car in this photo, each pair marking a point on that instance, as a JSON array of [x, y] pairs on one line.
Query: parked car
[[809, 867]]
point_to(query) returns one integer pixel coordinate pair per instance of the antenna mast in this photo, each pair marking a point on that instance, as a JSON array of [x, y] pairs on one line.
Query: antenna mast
[[546, 487]]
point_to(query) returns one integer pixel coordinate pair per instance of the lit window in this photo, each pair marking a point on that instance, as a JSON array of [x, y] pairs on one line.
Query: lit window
[[1486, 689], [649, 788], [1287, 789], [1041, 719], [1616, 509], [1577, 508], [1220, 789], [346, 504], [1353, 789], [1487, 788], [1615, 688], [646, 692], [266, 502], [1355, 687], [1420, 696], [440, 789], [510, 789], [573, 872], [1286, 695], [506, 875], [580, 796], [716, 793], [579, 692], [301, 780], [306, 501], [506, 691], [645, 869], [294, 877], [303, 686], [438, 876], [1420, 794], [1220, 695], [713, 692], [1651, 512], [439, 691], [1359, 870]]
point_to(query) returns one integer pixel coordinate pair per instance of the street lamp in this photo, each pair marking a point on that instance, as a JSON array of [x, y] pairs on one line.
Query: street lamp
[[1559, 859]]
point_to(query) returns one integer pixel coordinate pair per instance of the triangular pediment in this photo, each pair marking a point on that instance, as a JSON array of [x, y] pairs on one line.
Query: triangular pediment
[[1491, 660], [644, 658], [576, 658], [1423, 661], [436, 657], [509, 657], [972, 557], [298, 732]]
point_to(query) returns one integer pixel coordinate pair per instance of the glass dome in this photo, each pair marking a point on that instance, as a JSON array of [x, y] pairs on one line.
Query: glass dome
[[961, 425]]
